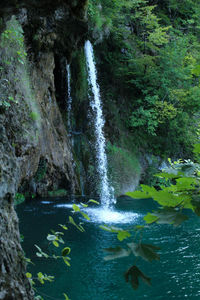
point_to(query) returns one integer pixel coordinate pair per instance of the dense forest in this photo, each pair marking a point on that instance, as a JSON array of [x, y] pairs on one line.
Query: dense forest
[[149, 60], [99, 149]]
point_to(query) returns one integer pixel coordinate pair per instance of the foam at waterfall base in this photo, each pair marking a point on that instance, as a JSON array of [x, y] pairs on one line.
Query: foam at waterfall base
[[111, 216], [64, 205], [105, 215]]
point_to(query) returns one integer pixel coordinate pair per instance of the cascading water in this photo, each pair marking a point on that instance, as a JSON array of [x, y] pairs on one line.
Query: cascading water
[[69, 110], [106, 191], [69, 99]]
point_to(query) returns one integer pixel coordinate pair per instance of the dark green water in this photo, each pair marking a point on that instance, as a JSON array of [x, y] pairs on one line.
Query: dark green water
[[175, 276]]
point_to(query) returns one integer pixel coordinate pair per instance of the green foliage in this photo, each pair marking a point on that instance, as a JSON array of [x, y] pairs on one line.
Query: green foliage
[[40, 278], [66, 297], [41, 171], [153, 71], [19, 198], [15, 84], [80, 73], [43, 277], [147, 252], [12, 53], [55, 239], [149, 177], [182, 193], [121, 234], [66, 251], [34, 116], [57, 193], [75, 208], [124, 166], [93, 201], [166, 216], [78, 226], [13, 38]]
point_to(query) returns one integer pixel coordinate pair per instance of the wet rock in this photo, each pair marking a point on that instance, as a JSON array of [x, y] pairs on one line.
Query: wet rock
[[32, 130]]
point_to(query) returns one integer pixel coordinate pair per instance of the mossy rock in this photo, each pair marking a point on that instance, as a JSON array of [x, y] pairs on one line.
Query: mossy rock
[[124, 169], [58, 193]]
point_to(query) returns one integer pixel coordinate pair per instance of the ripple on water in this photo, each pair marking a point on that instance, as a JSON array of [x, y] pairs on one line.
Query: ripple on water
[[176, 276]]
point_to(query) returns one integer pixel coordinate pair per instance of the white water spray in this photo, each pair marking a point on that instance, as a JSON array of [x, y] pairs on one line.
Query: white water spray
[[106, 191], [69, 99]]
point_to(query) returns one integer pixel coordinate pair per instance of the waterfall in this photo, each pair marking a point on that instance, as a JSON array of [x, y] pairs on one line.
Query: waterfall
[[69, 125], [69, 99], [106, 190]]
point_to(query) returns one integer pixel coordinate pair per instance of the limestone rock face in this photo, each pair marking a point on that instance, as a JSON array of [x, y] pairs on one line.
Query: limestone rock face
[[13, 282], [35, 153]]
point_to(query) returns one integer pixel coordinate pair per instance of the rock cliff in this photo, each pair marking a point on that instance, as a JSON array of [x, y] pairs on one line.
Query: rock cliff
[[35, 152]]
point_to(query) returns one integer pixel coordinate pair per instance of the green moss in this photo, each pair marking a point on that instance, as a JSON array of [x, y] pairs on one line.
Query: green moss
[[81, 82], [124, 167], [34, 116], [41, 171], [19, 198], [57, 193]]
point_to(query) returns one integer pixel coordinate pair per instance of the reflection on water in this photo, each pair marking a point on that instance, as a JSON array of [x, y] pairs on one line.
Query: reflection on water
[[176, 276]]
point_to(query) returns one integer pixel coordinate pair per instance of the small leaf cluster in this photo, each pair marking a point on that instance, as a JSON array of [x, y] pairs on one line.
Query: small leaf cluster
[[56, 238], [40, 277], [13, 60], [183, 193]]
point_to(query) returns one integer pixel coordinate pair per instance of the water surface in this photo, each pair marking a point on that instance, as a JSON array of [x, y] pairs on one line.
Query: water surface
[[175, 276]]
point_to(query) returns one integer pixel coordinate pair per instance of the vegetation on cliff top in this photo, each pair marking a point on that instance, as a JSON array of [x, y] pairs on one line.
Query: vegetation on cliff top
[[150, 65]]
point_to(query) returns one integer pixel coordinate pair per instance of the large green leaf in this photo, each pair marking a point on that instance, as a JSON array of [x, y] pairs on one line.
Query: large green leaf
[[79, 227], [148, 189], [196, 71], [66, 251], [149, 218], [137, 195], [186, 183], [166, 175], [166, 198], [196, 204], [66, 297], [121, 234], [167, 215], [84, 205], [197, 148], [85, 215], [93, 201], [66, 260], [76, 208]]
